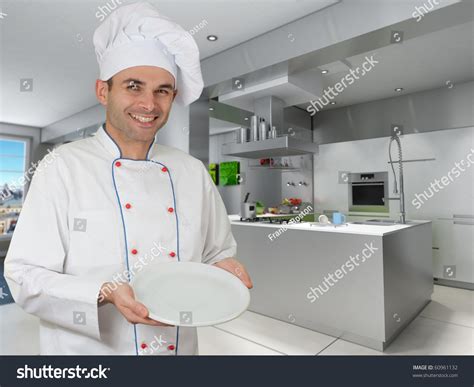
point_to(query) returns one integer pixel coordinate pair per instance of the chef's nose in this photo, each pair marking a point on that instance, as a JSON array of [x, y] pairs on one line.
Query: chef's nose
[[147, 102]]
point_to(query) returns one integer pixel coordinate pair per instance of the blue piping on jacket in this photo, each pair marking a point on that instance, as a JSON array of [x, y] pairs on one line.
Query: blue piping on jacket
[[125, 233], [123, 220]]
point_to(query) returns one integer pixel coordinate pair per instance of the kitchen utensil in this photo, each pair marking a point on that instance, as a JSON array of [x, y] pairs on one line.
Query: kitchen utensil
[[262, 130], [241, 135], [190, 294], [246, 197], [248, 210], [273, 132], [254, 128]]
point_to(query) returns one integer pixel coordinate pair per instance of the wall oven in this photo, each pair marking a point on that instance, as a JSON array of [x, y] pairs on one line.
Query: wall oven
[[367, 192]]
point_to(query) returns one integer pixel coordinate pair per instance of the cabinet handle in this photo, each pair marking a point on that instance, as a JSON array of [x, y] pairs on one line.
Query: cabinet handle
[[464, 216], [463, 223]]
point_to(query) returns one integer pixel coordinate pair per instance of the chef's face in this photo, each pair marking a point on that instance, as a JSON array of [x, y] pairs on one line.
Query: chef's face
[[138, 101]]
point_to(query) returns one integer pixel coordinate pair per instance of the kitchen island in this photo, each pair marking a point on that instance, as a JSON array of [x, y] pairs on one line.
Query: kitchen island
[[362, 283]]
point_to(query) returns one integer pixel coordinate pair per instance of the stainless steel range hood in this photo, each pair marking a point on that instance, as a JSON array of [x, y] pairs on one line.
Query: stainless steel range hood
[[294, 134], [274, 147], [271, 95]]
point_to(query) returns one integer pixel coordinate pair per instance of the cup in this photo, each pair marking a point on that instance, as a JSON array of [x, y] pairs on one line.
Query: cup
[[338, 218], [323, 219]]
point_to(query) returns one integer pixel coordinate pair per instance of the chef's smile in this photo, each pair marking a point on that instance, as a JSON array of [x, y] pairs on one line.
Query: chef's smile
[[146, 121]]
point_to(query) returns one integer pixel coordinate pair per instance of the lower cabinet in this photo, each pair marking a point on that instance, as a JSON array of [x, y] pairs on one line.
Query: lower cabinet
[[453, 248]]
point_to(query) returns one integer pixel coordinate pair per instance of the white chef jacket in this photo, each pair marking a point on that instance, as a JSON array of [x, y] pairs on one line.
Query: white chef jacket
[[91, 214]]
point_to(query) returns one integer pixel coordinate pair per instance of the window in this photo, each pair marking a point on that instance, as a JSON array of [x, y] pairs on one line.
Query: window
[[13, 161]]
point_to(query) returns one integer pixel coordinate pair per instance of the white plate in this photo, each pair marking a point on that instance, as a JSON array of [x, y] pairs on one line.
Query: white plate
[[190, 294]]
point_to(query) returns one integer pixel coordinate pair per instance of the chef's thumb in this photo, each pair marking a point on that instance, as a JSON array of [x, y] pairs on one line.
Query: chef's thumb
[[140, 310]]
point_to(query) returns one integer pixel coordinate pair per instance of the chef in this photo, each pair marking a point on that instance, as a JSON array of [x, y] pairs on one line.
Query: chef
[[114, 204]]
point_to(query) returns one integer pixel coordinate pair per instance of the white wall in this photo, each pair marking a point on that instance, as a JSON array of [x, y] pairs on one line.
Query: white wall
[[303, 174], [95, 115], [446, 146]]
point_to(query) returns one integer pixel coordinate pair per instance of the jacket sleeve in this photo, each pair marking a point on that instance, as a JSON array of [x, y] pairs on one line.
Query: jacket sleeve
[[35, 259], [219, 243]]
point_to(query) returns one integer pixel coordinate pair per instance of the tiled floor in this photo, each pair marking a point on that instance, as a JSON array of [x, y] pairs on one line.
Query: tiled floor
[[445, 327]]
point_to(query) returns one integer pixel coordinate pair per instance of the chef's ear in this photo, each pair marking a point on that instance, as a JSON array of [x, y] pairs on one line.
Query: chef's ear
[[175, 93], [102, 89]]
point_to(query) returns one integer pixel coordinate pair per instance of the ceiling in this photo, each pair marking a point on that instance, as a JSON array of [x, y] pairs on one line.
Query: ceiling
[[50, 42], [439, 59]]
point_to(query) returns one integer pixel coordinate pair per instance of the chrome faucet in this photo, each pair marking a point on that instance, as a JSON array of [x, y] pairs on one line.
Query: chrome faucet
[[401, 194]]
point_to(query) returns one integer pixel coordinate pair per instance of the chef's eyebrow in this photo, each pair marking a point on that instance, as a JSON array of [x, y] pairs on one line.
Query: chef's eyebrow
[[141, 83]]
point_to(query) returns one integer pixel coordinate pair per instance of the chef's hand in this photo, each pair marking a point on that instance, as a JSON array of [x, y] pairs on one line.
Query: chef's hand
[[124, 300], [236, 268]]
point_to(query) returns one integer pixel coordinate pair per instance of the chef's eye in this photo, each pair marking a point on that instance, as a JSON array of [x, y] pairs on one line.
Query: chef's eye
[[163, 91], [133, 86]]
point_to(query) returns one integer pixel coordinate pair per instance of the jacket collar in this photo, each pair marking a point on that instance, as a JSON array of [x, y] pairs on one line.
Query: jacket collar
[[113, 148]]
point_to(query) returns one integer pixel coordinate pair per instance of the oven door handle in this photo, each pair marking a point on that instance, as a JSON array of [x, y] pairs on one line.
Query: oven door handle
[[390, 199], [367, 184]]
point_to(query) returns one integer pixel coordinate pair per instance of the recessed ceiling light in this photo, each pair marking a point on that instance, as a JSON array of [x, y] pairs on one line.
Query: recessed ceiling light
[[211, 109], [399, 89], [332, 103], [324, 71], [212, 38], [246, 118]]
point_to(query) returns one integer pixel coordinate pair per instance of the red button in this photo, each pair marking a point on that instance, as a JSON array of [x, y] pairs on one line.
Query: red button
[[170, 209], [118, 164], [171, 347], [128, 206], [144, 346], [172, 254], [164, 169], [134, 251]]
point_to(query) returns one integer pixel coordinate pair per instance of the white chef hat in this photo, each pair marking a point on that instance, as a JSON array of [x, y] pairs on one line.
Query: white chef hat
[[137, 35]]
